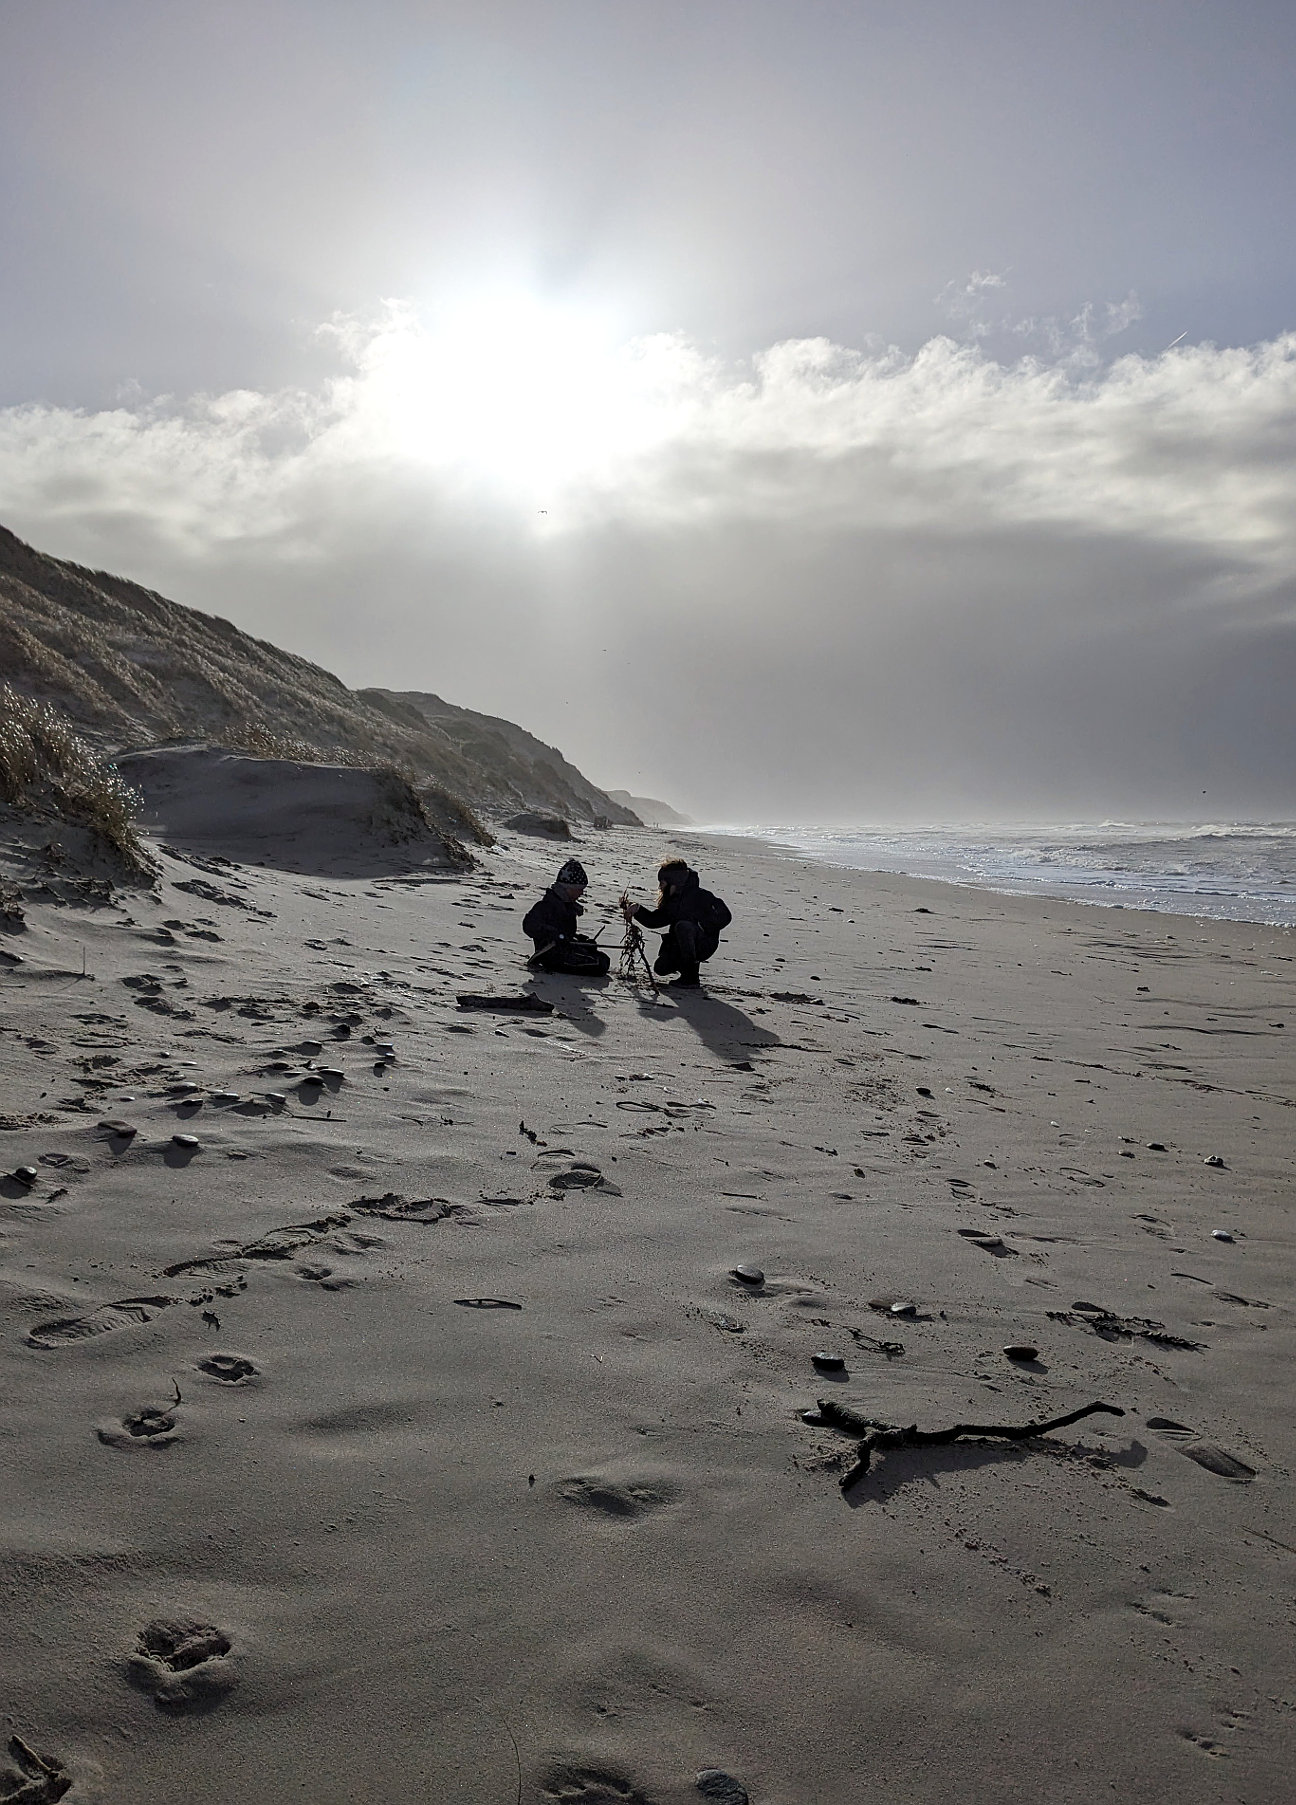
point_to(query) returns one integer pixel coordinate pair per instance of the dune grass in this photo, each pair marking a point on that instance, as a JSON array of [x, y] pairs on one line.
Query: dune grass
[[46, 768]]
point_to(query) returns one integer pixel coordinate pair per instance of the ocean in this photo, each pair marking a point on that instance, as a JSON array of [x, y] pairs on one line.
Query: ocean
[[1233, 871]]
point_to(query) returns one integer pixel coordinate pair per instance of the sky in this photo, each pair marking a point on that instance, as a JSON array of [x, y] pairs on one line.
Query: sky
[[799, 410]]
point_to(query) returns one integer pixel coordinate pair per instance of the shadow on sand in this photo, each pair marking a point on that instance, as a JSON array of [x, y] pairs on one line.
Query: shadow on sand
[[571, 996], [720, 1027], [893, 1470]]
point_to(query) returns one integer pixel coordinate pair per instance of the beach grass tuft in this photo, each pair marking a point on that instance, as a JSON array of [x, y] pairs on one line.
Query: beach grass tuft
[[46, 768]]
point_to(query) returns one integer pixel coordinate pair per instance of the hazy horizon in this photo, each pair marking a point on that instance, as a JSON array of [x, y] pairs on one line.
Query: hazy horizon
[[835, 413]]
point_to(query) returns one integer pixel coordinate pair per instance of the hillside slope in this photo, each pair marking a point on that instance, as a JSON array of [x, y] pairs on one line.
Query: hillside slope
[[131, 668], [529, 774]]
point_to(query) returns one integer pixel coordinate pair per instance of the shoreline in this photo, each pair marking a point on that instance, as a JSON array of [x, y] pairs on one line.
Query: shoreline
[[519, 1463], [1144, 897]]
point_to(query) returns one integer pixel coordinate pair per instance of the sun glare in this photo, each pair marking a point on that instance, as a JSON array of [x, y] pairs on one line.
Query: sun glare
[[516, 393]]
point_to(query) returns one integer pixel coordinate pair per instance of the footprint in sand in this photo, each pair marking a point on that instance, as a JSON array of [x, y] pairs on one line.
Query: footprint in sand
[[149, 1426], [30, 1778], [1205, 1453], [125, 1313], [279, 1244], [617, 1498], [1206, 1744], [591, 1786], [184, 1664], [393, 1207], [230, 1369], [323, 1276]]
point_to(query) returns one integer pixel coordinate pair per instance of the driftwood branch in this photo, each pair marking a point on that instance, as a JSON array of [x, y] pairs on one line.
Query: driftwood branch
[[526, 1004], [881, 1437], [635, 966]]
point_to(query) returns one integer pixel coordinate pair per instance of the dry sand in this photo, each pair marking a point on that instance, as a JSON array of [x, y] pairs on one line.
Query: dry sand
[[583, 1548]]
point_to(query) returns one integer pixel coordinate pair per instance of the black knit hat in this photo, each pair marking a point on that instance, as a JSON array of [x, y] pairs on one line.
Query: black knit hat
[[573, 872]]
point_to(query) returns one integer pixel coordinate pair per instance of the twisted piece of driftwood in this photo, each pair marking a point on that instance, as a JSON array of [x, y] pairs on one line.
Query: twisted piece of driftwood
[[878, 1437], [635, 967]]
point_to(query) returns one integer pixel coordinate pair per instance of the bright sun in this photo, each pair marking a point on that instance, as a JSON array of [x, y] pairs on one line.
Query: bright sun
[[516, 393]]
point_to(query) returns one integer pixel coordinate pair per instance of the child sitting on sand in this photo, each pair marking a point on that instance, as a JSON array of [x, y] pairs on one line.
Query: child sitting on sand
[[692, 917], [553, 924]]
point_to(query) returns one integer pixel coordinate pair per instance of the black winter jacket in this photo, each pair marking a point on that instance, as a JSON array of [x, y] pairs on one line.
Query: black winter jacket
[[689, 902], [552, 918]]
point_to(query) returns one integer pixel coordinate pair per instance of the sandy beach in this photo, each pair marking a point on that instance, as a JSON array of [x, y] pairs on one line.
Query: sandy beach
[[404, 1434]]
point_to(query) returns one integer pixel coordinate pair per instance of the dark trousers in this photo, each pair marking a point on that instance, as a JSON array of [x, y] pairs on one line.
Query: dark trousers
[[683, 949], [580, 957]]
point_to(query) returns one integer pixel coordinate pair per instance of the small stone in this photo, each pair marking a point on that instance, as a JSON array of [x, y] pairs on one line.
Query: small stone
[[310, 1047], [924, 1090], [224, 1096], [330, 1071], [1220, 1234], [124, 1131], [749, 1275], [828, 1363], [904, 1309], [715, 1783], [1020, 1350], [1213, 1159], [185, 1140], [313, 1078], [26, 1175], [1156, 1146], [276, 1097]]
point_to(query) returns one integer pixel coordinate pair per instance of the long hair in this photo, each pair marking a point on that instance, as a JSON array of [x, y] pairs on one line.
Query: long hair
[[670, 871]]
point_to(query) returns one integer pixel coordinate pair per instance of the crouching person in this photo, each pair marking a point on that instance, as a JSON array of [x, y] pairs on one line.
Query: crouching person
[[553, 924], [692, 917]]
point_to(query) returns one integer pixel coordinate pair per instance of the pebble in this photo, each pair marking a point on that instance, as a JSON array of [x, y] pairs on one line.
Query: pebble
[[1020, 1350], [749, 1275], [330, 1071], [1221, 1234], [185, 1140], [1156, 1146], [312, 1078], [310, 1047], [828, 1363], [275, 1097], [1213, 1159], [26, 1175], [904, 1309], [715, 1783], [224, 1096], [123, 1130]]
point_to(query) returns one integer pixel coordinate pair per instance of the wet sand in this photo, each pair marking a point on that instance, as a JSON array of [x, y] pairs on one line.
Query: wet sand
[[409, 1438]]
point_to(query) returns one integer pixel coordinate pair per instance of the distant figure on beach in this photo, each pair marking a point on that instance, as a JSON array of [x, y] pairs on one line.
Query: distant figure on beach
[[692, 917], [553, 923]]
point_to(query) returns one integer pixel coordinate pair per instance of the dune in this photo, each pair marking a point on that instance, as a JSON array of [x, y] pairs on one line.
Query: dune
[[129, 667], [297, 817]]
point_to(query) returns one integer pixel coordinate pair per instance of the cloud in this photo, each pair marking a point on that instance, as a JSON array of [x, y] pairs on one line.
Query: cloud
[[1022, 574]]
